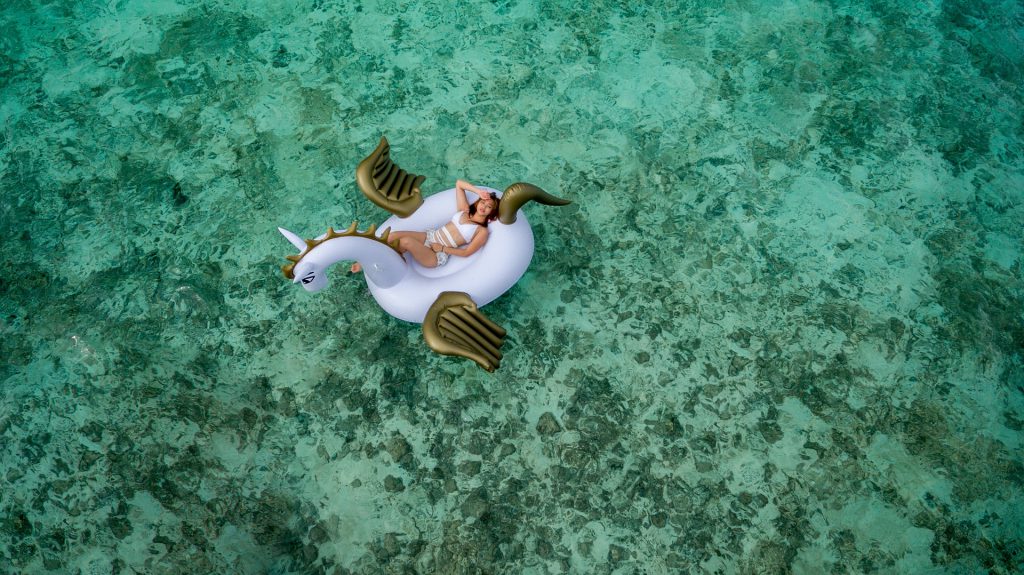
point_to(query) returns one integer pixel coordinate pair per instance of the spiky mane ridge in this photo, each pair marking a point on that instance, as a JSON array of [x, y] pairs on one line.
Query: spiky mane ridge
[[370, 234]]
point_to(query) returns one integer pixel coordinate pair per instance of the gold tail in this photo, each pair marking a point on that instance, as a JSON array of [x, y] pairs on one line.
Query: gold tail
[[454, 326], [518, 194], [387, 185]]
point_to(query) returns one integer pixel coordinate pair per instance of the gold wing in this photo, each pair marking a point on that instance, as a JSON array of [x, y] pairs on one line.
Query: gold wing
[[387, 185], [454, 326]]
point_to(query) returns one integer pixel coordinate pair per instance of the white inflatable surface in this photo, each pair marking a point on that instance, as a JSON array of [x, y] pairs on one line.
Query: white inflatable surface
[[485, 275]]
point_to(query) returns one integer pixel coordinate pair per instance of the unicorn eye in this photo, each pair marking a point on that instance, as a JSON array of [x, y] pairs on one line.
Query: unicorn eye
[[308, 279]]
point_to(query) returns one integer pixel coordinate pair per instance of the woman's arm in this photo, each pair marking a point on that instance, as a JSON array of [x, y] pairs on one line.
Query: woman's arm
[[460, 194], [479, 239]]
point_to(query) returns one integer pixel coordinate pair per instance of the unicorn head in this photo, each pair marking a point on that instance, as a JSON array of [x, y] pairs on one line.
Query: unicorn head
[[381, 260], [311, 276], [305, 271]]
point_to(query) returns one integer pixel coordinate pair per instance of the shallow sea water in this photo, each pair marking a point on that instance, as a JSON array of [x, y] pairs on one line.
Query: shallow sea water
[[779, 330]]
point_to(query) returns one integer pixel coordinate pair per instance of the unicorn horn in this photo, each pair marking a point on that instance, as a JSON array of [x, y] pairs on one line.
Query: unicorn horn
[[299, 243]]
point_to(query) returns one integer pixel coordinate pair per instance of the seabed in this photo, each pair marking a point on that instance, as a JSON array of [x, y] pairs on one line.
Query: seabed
[[779, 330]]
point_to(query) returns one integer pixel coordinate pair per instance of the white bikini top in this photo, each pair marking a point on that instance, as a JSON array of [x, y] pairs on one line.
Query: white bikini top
[[467, 230]]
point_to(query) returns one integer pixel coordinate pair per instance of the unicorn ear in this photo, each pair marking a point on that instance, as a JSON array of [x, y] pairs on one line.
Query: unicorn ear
[[296, 241]]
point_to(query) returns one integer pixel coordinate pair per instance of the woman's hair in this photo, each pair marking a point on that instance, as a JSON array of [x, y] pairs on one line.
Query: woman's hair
[[491, 216]]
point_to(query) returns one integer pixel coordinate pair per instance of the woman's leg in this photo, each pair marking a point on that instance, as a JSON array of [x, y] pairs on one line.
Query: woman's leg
[[422, 253], [416, 237]]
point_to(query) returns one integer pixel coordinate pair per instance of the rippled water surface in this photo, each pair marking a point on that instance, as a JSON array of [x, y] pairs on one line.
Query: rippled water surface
[[778, 330]]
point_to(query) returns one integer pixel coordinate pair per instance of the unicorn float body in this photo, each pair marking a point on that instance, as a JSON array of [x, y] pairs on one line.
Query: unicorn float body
[[445, 299]]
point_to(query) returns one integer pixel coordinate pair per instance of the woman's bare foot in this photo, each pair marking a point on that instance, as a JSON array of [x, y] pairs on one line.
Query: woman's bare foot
[[356, 268]]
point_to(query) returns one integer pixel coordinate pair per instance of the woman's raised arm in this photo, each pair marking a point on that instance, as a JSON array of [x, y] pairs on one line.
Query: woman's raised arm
[[460, 194]]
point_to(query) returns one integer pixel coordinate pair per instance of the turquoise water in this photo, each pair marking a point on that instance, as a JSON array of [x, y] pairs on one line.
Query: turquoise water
[[779, 330]]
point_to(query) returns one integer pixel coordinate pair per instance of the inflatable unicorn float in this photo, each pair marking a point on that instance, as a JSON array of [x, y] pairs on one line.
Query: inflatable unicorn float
[[445, 299]]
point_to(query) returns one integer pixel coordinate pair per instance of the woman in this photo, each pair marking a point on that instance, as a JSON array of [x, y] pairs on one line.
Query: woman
[[462, 236]]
